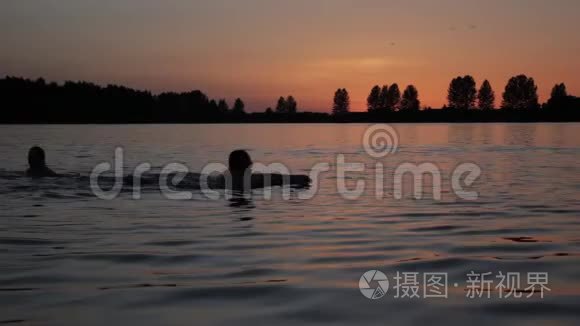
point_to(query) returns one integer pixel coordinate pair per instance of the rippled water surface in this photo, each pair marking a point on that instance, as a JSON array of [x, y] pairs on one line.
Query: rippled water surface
[[69, 258]]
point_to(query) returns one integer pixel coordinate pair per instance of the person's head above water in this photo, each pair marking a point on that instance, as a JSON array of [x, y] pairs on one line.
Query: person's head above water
[[239, 161], [36, 158]]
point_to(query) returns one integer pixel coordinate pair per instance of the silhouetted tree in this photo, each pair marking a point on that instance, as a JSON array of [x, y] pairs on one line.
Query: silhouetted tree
[[282, 105], [559, 91], [383, 97], [223, 106], [410, 100], [520, 93], [291, 104], [212, 108], [374, 99], [461, 93], [238, 107], [341, 101], [559, 98], [486, 96], [393, 98], [269, 111]]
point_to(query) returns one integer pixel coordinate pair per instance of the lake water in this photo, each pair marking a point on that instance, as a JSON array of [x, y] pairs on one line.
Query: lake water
[[70, 258]]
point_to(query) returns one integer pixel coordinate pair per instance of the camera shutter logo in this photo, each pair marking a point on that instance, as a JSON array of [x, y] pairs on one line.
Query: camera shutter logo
[[373, 284]]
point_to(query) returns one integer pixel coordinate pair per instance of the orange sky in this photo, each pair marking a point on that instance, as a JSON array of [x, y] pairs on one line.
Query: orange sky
[[261, 49]]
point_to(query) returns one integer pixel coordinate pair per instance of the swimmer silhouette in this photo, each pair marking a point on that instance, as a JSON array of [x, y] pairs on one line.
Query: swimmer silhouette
[[240, 164], [37, 164]]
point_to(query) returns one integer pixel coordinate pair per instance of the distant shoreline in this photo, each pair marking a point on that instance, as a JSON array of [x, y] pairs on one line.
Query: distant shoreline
[[28, 101]]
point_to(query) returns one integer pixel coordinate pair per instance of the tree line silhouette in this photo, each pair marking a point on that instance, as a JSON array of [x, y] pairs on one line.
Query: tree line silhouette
[[521, 93], [467, 103], [389, 99], [36, 101]]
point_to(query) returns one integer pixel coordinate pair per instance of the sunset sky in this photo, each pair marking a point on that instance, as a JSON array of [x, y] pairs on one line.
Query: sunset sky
[[261, 49]]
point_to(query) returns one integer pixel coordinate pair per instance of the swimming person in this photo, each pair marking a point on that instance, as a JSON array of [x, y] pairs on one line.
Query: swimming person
[[240, 163], [37, 164]]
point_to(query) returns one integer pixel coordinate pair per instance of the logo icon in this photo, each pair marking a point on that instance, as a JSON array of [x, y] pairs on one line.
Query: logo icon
[[380, 140], [373, 284]]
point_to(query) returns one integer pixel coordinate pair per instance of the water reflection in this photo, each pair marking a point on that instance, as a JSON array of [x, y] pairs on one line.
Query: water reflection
[[241, 200], [288, 261]]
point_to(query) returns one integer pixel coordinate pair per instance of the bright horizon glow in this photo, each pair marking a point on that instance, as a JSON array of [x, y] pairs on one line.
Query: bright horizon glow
[[261, 49]]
